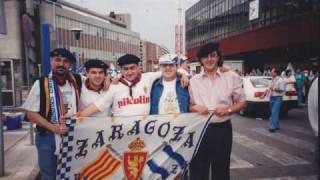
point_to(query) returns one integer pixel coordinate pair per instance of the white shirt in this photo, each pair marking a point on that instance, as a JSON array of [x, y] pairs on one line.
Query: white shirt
[[277, 83], [168, 103], [32, 102], [290, 83], [88, 97], [123, 104]]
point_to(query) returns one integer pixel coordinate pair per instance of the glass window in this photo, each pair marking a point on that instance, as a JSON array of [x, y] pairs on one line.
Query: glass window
[[7, 83]]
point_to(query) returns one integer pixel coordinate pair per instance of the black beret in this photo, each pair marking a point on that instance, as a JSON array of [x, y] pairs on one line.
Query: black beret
[[128, 59], [95, 63], [63, 52], [207, 49]]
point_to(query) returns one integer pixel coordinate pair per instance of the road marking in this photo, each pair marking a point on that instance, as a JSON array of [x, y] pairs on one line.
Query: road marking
[[237, 162], [307, 131], [286, 139], [273, 153], [315, 177]]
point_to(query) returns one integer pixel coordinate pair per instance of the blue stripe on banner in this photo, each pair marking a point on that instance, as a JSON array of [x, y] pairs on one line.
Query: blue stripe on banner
[[174, 155], [157, 169]]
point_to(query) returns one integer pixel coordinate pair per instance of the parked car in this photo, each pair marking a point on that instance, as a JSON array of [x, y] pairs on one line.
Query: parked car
[[254, 87]]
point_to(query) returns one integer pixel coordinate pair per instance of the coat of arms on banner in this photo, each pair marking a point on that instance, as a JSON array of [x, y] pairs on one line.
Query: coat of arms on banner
[[135, 160]]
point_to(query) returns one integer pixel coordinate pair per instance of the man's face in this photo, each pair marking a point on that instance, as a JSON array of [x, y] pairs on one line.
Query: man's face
[[130, 71], [60, 65], [186, 66], [210, 62], [273, 72], [96, 76], [169, 71]]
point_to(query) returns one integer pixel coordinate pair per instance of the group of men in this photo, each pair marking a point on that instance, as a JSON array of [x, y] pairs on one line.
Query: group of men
[[168, 91]]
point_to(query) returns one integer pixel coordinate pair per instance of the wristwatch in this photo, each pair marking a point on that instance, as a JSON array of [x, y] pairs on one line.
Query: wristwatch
[[229, 110]]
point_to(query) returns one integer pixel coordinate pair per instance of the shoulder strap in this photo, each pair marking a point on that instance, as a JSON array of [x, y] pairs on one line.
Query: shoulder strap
[[78, 80], [42, 97], [44, 101]]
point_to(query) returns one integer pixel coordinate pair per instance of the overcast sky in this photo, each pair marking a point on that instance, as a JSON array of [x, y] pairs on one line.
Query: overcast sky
[[153, 19]]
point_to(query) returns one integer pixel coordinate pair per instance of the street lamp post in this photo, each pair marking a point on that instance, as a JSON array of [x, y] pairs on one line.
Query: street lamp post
[[1, 130]]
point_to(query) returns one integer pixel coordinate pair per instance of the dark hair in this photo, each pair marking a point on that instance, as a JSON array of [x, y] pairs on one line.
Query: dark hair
[[220, 60], [95, 63], [209, 48], [287, 72], [277, 71]]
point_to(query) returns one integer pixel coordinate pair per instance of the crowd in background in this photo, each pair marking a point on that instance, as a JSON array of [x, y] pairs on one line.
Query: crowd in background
[[299, 78]]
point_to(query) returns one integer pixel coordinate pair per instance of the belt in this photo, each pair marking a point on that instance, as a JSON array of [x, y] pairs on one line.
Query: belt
[[43, 131], [218, 124]]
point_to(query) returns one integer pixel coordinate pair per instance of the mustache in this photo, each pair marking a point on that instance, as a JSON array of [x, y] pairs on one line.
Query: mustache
[[61, 70]]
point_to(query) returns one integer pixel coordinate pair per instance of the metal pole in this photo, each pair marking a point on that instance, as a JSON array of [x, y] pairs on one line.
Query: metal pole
[[1, 130], [55, 25], [26, 53]]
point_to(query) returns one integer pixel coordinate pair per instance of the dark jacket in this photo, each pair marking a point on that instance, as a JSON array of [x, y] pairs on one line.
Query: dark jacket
[[182, 95]]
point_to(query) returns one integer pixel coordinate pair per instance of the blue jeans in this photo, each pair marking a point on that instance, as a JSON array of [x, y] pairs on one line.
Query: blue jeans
[[46, 159], [300, 96], [275, 105]]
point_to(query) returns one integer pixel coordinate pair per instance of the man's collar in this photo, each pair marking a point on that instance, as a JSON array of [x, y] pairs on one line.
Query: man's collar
[[160, 82], [218, 73]]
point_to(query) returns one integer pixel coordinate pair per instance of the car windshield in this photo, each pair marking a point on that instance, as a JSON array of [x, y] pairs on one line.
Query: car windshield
[[260, 82]]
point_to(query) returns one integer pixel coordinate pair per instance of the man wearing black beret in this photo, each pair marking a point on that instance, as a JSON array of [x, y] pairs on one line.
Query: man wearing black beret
[[50, 98], [222, 94], [92, 89], [132, 95]]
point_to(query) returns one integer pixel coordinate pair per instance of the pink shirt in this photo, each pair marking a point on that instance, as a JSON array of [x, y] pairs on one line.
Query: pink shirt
[[223, 90]]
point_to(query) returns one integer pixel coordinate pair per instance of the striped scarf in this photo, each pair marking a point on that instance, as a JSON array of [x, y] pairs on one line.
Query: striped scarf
[[132, 83]]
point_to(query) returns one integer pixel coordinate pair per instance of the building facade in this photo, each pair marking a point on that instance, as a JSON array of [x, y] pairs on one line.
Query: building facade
[[21, 47], [101, 36], [150, 54], [12, 55], [263, 33]]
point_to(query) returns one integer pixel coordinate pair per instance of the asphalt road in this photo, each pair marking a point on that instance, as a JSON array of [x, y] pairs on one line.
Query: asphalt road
[[288, 154]]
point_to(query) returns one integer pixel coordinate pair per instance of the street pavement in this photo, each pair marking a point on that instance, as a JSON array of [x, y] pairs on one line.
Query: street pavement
[[20, 157], [288, 154]]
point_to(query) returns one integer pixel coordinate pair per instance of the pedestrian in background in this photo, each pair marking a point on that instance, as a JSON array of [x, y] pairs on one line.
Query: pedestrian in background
[[289, 80], [300, 80], [184, 67], [276, 91], [221, 92]]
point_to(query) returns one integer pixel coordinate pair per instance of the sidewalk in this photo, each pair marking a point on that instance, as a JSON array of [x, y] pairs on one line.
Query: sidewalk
[[20, 156]]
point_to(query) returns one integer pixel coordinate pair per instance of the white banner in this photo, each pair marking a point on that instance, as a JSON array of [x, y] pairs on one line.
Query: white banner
[[138, 147]]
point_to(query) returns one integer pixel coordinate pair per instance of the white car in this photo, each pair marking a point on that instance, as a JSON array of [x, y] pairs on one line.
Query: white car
[[255, 87]]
